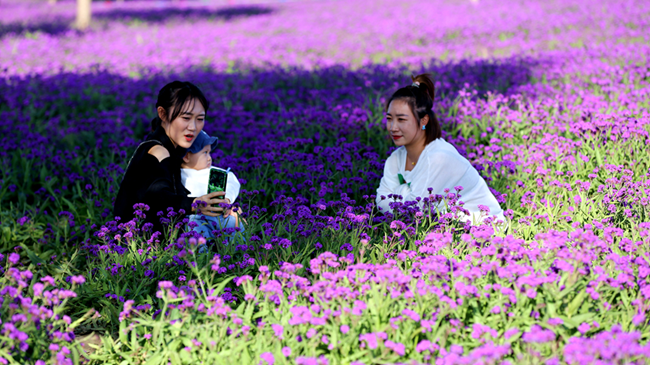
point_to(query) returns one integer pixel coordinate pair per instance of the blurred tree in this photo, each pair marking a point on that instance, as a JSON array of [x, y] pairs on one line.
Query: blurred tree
[[83, 14], [51, 2]]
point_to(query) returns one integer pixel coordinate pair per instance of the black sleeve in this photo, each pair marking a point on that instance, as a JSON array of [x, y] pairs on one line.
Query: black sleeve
[[161, 194]]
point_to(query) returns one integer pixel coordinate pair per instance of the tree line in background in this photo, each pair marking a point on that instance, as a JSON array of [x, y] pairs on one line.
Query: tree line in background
[[83, 12]]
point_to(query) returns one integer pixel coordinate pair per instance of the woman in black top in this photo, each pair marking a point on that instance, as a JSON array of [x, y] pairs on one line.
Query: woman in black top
[[152, 176]]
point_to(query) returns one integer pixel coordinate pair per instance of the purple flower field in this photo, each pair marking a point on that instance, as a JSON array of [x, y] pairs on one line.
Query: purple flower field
[[550, 102]]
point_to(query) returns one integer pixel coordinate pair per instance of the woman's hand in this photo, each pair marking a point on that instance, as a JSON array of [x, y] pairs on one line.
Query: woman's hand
[[227, 212], [208, 200]]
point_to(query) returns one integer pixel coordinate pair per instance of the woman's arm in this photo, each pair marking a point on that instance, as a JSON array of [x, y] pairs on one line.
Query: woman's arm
[[161, 193], [389, 184]]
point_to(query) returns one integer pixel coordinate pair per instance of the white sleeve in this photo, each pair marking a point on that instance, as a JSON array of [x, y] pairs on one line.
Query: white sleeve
[[232, 187], [389, 184], [441, 171]]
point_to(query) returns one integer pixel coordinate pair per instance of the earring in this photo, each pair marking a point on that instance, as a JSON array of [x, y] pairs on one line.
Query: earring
[[424, 127]]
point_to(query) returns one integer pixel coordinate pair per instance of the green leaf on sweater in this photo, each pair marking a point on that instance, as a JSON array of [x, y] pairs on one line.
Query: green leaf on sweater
[[402, 181]]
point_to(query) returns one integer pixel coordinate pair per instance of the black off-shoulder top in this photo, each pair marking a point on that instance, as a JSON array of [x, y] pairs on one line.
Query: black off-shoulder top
[[152, 182]]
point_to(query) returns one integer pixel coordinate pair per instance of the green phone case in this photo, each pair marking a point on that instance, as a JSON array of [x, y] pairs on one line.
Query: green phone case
[[218, 180]]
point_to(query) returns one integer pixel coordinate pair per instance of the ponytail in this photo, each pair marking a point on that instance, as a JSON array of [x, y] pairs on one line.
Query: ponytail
[[425, 81], [419, 96]]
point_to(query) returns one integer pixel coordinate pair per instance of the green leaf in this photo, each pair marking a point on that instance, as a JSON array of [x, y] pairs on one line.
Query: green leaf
[[32, 256], [222, 285], [576, 303], [567, 291], [122, 335], [155, 359], [248, 313], [575, 321], [175, 358], [599, 158]]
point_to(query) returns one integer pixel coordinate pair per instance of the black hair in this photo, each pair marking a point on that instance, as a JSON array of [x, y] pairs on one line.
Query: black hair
[[420, 100], [175, 95]]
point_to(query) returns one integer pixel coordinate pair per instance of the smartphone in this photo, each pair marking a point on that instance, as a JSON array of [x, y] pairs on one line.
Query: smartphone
[[218, 180]]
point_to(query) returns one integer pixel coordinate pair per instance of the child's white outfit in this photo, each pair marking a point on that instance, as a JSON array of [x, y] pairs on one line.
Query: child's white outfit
[[196, 181], [440, 167]]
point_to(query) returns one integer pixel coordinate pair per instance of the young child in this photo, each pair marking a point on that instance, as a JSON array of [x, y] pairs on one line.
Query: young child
[[195, 174]]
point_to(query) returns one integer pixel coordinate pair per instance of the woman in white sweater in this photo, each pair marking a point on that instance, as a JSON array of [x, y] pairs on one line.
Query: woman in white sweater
[[425, 160]]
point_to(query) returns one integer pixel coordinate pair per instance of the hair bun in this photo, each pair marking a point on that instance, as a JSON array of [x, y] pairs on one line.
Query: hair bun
[[426, 81]]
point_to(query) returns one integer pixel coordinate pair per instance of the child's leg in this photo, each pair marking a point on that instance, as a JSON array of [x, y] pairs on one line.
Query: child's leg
[[202, 225], [203, 228], [232, 226]]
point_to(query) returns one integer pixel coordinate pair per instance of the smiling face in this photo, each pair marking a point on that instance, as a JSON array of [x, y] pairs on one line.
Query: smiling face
[[402, 124], [198, 161], [188, 124]]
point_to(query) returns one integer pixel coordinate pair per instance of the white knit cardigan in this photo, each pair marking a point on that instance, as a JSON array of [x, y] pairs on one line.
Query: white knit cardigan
[[440, 167]]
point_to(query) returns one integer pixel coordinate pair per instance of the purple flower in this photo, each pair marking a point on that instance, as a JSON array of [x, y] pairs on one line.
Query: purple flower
[[48, 279], [531, 293], [638, 319], [347, 247], [165, 284], [13, 258], [243, 279], [424, 345], [358, 307], [278, 330], [78, 279], [538, 334], [411, 314], [397, 347], [577, 200], [301, 360], [511, 332], [268, 357]]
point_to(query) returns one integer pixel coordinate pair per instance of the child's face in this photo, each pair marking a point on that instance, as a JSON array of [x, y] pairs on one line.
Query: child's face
[[198, 161]]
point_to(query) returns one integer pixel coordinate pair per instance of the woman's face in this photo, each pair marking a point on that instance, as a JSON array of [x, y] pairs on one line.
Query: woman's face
[[402, 125], [189, 123]]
